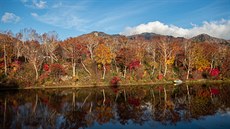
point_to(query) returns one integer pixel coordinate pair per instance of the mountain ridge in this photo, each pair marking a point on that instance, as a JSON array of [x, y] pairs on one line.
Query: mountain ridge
[[201, 38]]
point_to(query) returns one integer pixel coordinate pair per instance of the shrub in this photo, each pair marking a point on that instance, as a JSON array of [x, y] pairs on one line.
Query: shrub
[[56, 71], [115, 80]]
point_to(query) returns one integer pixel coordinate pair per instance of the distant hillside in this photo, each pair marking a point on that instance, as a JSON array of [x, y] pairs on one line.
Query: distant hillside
[[202, 38], [209, 39]]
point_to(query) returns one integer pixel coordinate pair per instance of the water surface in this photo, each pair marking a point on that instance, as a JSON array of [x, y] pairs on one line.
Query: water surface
[[149, 107]]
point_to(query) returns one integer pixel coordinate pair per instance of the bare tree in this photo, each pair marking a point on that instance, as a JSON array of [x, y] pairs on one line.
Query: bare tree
[[49, 39]]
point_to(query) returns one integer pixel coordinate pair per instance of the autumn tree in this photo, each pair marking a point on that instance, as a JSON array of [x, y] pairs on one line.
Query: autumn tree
[[165, 53], [194, 57], [32, 51], [7, 49], [49, 43], [77, 52], [124, 57], [91, 41], [103, 56], [19, 45]]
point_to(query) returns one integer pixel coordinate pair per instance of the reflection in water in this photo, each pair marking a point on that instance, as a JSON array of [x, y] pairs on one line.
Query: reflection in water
[[203, 106]]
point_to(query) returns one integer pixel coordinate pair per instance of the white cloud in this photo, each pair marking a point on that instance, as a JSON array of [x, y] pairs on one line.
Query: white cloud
[[61, 20], [39, 4], [34, 14], [220, 29], [10, 18]]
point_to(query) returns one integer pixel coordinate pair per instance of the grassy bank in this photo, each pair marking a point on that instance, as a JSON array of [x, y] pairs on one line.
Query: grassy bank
[[190, 82]]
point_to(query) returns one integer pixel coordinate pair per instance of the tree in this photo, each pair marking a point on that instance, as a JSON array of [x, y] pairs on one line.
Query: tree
[[34, 55], [150, 56], [7, 44], [165, 53], [103, 56], [77, 52], [194, 57], [49, 41], [32, 50], [124, 57]]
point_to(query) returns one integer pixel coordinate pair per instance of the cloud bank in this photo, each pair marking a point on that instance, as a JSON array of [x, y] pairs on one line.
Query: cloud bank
[[219, 29], [10, 18]]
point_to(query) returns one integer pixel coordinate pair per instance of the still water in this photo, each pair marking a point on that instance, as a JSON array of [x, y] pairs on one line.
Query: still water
[[148, 107]]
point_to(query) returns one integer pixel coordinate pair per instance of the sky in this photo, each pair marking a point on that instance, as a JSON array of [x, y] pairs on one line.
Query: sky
[[70, 18]]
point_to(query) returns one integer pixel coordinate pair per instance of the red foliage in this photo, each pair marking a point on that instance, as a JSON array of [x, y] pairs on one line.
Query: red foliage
[[18, 62], [160, 76], [134, 64], [115, 80], [214, 91], [44, 76], [57, 70], [133, 101], [46, 67], [2, 65], [214, 72]]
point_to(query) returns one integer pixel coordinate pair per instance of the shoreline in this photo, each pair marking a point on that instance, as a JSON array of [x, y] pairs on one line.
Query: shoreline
[[106, 85]]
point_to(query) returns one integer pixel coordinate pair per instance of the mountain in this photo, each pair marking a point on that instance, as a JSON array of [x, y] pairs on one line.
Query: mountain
[[208, 39], [156, 37], [202, 38]]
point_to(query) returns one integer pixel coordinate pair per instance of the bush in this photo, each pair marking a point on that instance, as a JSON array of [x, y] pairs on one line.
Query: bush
[[115, 80], [56, 71]]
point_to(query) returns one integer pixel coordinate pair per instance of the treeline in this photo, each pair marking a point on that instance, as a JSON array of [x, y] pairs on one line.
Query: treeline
[[28, 58]]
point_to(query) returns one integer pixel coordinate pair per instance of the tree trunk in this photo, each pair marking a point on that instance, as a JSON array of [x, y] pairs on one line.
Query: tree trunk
[[51, 59], [104, 70], [85, 68], [188, 72], [36, 70], [125, 72], [74, 69], [5, 62], [165, 70], [90, 48], [153, 70]]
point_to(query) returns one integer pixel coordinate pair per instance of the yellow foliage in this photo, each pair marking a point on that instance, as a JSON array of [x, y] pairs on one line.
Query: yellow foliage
[[170, 61], [199, 61], [103, 54]]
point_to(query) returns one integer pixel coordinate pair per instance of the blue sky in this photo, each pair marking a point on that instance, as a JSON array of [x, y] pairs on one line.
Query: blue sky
[[70, 18]]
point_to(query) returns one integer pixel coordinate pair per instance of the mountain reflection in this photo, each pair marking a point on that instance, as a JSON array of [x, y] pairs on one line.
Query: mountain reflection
[[92, 107]]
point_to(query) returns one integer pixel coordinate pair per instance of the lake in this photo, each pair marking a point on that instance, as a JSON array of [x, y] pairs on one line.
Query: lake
[[204, 106]]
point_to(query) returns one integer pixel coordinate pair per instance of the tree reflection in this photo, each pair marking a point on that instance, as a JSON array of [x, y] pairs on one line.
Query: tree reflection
[[84, 108]]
